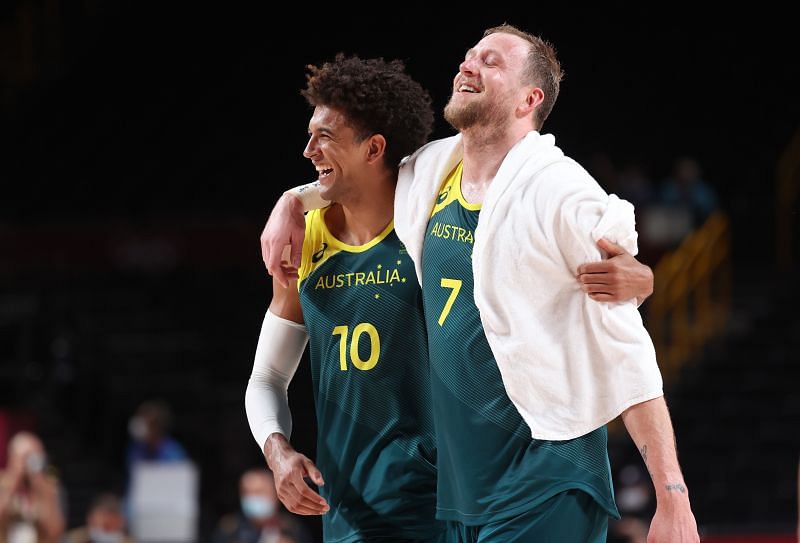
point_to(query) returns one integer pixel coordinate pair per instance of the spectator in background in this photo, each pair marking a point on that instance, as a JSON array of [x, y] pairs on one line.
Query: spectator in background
[[151, 441], [31, 505], [261, 520], [683, 204], [105, 523], [686, 188], [634, 185]]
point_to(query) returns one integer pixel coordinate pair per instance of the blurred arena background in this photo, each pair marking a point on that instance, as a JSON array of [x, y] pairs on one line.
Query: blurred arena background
[[144, 144]]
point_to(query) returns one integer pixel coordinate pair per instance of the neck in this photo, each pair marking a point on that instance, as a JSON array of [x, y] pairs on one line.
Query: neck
[[362, 217], [484, 152]]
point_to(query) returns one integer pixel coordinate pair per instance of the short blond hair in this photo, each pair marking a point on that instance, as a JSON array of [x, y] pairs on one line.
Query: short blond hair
[[543, 68]]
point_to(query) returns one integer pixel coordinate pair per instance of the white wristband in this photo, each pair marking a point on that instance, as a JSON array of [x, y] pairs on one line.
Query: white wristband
[[309, 195]]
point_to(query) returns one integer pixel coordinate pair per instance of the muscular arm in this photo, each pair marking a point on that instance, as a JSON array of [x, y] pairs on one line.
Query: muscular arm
[[286, 227], [280, 347], [649, 425], [286, 302]]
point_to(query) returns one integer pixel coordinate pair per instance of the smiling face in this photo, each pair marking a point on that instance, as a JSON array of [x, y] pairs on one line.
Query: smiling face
[[336, 153], [489, 86]]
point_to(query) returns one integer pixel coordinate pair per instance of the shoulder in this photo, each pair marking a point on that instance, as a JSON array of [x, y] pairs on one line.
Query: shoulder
[[567, 171], [314, 223], [429, 148], [315, 243], [558, 183]]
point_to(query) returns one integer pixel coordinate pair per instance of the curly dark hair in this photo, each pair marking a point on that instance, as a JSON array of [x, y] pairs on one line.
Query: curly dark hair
[[376, 97]]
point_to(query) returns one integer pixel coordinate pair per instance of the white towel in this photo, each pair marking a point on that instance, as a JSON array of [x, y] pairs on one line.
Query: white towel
[[569, 364]]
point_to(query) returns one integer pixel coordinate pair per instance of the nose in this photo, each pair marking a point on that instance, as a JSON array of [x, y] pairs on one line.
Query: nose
[[468, 66], [311, 149]]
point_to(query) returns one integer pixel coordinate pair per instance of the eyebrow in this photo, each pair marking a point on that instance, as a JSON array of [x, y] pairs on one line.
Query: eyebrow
[[322, 130], [486, 51]]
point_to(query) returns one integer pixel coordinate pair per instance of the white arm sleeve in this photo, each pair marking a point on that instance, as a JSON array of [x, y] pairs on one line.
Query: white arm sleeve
[[280, 347]]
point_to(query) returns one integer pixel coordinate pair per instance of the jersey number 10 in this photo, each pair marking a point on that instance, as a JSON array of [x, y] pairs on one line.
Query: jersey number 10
[[374, 346]]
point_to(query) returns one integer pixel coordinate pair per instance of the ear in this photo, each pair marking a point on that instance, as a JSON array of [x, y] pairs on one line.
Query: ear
[[533, 99], [376, 147]]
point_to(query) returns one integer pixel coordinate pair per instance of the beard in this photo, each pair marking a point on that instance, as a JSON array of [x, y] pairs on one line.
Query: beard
[[463, 116], [474, 113]]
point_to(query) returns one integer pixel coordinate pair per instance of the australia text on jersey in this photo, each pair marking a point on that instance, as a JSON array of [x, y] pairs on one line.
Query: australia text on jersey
[[379, 276], [451, 231]]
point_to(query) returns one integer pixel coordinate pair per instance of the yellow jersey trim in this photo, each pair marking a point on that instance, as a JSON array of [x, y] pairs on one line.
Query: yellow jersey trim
[[342, 246], [320, 245], [450, 191]]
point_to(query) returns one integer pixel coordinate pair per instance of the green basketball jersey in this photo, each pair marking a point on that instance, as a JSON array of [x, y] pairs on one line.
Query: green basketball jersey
[[489, 466], [369, 365]]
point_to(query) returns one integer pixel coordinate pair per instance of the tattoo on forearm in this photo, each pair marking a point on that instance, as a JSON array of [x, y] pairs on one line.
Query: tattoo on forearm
[[643, 452], [676, 487]]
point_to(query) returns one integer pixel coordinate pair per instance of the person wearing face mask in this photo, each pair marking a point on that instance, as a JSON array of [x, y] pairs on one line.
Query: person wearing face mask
[[150, 439], [31, 508], [105, 523], [261, 520], [150, 443]]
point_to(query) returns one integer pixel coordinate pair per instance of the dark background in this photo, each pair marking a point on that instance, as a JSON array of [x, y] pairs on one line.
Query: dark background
[[138, 112], [144, 144]]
